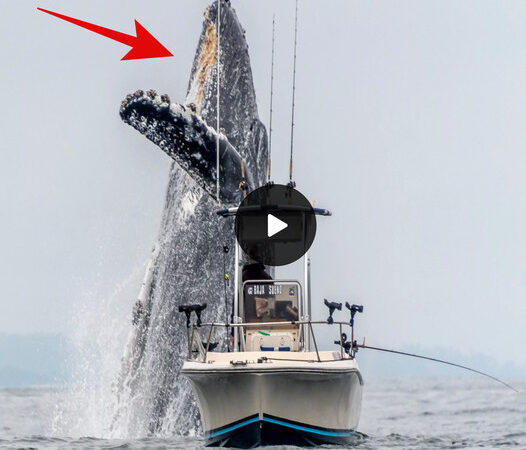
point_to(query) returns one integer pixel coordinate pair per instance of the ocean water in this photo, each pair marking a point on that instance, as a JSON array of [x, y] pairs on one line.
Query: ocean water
[[407, 413]]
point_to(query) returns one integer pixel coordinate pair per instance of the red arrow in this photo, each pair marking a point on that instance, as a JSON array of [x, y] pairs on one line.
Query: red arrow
[[144, 45]]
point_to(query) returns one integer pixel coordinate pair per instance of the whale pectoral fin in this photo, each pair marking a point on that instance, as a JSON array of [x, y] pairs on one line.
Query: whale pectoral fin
[[188, 140]]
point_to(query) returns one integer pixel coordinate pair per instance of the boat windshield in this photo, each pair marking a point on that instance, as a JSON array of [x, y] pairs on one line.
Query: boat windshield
[[270, 301]]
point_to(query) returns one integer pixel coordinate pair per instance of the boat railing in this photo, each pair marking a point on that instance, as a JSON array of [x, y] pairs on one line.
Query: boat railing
[[347, 348]]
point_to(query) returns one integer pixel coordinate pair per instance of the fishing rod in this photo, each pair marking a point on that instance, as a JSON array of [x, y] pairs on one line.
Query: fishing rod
[[293, 94], [226, 282], [271, 97], [414, 355]]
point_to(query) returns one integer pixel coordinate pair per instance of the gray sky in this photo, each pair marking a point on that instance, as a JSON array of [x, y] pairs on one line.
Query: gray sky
[[409, 127]]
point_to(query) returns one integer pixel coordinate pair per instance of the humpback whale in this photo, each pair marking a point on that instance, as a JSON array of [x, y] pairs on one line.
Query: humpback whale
[[188, 260]]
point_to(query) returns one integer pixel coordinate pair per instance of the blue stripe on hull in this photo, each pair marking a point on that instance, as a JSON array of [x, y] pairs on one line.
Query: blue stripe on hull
[[308, 429], [228, 429], [252, 431]]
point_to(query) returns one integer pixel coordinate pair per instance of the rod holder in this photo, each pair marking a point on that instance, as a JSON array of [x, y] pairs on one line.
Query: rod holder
[[354, 309], [189, 309], [344, 343], [332, 307]]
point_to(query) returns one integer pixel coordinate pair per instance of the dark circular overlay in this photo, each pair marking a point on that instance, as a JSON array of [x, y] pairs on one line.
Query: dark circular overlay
[[275, 225]]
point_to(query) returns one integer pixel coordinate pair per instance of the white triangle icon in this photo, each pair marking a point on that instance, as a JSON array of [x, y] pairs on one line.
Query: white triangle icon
[[274, 225]]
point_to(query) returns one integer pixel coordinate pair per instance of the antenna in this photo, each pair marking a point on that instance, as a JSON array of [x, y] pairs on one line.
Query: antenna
[[293, 94], [218, 91], [271, 96]]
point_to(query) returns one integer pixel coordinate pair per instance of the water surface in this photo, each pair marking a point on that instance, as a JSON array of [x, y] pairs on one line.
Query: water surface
[[408, 413]]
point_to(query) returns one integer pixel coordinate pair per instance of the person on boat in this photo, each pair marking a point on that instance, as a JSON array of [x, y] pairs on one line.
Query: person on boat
[[254, 270]]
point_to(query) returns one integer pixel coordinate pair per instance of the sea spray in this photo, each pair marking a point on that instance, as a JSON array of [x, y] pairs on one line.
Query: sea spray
[[99, 327]]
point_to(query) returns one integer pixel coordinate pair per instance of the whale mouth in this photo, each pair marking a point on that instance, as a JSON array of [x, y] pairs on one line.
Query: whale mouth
[[206, 60]]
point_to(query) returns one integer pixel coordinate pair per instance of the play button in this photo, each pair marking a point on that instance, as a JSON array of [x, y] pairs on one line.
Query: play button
[[274, 225]]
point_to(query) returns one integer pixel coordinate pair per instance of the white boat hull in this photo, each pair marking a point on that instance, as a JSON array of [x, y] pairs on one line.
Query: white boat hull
[[246, 400]]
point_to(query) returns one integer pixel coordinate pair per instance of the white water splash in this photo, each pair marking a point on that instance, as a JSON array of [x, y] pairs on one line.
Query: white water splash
[[99, 331]]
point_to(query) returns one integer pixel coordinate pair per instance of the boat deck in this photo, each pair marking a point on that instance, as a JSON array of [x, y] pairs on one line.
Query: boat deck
[[330, 361]]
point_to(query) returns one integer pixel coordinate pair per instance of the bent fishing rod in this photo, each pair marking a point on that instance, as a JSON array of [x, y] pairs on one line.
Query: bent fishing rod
[[414, 355], [352, 346]]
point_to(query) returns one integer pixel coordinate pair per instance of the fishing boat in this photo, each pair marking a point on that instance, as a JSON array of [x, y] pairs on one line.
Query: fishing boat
[[273, 385]]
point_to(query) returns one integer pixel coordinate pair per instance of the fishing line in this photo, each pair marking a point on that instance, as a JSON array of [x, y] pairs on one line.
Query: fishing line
[[439, 361]]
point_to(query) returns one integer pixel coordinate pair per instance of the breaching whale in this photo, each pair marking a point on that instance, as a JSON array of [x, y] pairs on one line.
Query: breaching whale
[[188, 260]]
